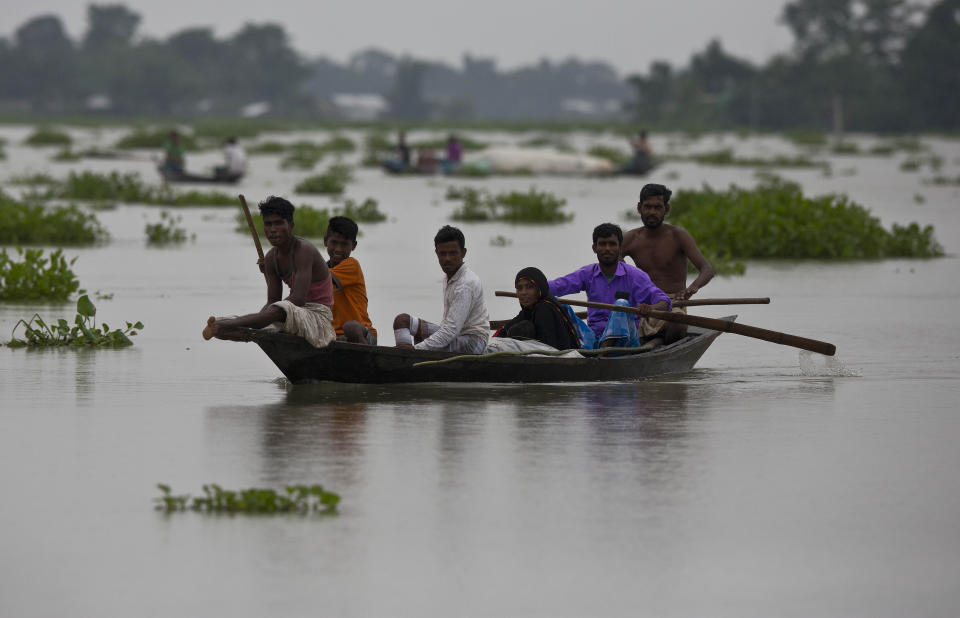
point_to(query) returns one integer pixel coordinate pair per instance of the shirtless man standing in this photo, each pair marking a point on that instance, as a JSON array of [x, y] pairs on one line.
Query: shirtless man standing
[[662, 250]]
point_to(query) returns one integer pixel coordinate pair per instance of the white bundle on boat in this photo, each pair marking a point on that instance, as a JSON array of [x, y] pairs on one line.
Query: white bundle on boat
[[506, 160]]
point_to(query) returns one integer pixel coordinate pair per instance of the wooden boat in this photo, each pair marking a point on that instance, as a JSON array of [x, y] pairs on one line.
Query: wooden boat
[[349, 362], [186, 177]]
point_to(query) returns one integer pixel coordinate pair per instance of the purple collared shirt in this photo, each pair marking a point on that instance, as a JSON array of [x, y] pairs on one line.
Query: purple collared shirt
[[591, 279]]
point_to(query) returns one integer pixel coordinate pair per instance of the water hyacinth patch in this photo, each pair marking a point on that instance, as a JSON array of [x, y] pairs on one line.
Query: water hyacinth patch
[[36, 276], [166, 231], [23, 223], [515, 207], [154, 140], [83, 333], [614, 155], [129, 188], [47, 136], [367, 212], [295, 499], [775, 220], [333, 181]]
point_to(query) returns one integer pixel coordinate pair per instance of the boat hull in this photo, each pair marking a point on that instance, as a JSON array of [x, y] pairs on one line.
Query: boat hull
[[354, 363]]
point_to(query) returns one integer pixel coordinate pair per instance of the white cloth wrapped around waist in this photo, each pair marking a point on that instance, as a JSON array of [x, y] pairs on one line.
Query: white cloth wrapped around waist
[[312, 321]]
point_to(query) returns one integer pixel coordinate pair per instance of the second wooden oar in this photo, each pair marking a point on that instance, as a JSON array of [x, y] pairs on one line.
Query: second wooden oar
[[702, 302], [813, 345]]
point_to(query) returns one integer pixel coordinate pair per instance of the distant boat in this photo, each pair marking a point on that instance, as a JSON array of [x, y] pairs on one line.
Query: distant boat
[[171, 176]]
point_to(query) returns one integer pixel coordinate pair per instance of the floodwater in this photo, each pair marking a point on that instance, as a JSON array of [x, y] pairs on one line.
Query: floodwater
[[766, 482]]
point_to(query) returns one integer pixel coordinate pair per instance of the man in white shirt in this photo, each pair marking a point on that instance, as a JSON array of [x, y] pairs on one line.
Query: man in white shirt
[[234, 160], [465, 327]]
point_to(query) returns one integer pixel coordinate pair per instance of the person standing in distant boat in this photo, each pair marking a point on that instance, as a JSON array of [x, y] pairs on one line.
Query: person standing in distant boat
[[662, 251], [307, 310], [174, 161]]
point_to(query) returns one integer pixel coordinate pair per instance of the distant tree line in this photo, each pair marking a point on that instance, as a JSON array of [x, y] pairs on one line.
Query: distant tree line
[[877, 65], [886, 65]]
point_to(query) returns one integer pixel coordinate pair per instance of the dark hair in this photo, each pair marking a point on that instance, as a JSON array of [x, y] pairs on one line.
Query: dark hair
[[607, 229], [448, 233], [275, 205], [344, 226], [653, 190]]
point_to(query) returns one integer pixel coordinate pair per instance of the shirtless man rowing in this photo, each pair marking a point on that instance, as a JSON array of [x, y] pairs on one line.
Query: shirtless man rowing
[[662, 251]]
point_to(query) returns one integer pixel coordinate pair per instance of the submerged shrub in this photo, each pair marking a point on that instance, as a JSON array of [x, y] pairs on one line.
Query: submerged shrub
[[22, 223], [83, 333], [47, 136], [36, 276], [775, 220], [296, 499]]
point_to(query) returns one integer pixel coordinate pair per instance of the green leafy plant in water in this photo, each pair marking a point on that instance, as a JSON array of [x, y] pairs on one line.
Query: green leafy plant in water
[[32, 180], [557, 142], [166, 231], [333, 181], [295, 499], [48, 136], [775, 220], [83, 333], [268, 147], [944, 181], [726, 158], [37, 276], [302, 155], [26, 223], [129, 188], [845, 148], [339, 144], [65, 155], [515, 207]]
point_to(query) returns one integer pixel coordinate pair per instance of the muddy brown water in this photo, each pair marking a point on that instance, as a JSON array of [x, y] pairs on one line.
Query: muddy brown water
[[761, 483]]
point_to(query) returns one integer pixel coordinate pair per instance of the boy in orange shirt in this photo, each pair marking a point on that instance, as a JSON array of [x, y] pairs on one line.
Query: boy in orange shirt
[[350, 319]]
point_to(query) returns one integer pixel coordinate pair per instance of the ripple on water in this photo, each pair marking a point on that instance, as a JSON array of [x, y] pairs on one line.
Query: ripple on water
[[813, 365]]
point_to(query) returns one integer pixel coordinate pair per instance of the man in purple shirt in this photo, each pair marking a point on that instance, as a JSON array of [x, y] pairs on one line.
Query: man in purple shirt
[[608, 280]]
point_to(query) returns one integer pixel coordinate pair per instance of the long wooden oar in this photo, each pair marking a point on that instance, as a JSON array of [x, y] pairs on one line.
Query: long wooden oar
[[498, 324], [253, 229], [821, 347]]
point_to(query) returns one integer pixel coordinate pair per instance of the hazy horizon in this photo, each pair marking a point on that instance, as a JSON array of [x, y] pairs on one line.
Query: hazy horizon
[[513, 33]]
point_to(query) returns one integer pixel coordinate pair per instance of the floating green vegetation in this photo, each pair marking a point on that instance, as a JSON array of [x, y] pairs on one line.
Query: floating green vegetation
[[83, 333], [725, 158], [302, 155], [376, 141], [48, 136], [339, 144], [32, 180], [944, 181], [514, 207], [367, 212], [807, 137], [66, 155], [333, 181], [36, 276], [222, 129], [268, 147], [845, 148], [775, 220], [295, 499], [614, 155], [154, 139], [24, 224], [129, 188], [914, 162], [500, 241], [557, 142], [166, 231]]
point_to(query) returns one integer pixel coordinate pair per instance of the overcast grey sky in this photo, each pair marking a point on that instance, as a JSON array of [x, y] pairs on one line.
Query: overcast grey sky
[[628, 34]]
